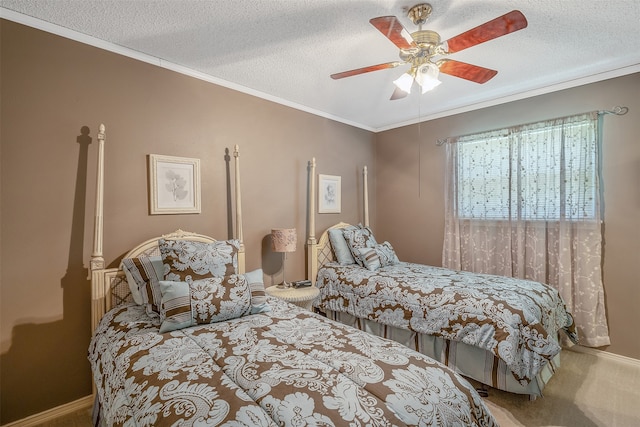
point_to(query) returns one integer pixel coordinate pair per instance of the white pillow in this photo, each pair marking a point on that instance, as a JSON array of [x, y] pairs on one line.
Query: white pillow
[[340, 246]]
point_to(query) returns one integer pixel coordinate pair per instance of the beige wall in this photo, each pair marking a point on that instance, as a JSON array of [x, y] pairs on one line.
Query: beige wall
[[51, 88], [411, 175]]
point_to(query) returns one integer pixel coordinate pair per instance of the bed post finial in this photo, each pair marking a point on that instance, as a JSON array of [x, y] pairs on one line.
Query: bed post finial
[[366, 196], [239, 235], [97, 260]]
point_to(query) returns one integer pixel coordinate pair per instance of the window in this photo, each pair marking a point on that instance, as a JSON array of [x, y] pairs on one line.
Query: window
[[525, 202], [544, 171]]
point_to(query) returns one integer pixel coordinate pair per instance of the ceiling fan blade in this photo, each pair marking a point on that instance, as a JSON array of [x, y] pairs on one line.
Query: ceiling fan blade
[[363, 70], [466, 71], [398, 94], [502, 25], [392, 29]]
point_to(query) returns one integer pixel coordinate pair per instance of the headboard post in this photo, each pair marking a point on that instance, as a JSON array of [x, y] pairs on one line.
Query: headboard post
[[366, 196], [239, 236], [97, 259], [312, 251], [317, 251]]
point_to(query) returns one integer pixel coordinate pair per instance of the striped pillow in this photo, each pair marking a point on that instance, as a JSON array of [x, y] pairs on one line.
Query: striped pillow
[[258, 295], [143, 275], [379, 256], [211, 300], [370, 258]]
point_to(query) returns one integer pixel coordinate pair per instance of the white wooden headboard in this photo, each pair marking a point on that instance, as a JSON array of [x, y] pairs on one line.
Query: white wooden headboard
[[109, 287], [319, 252]]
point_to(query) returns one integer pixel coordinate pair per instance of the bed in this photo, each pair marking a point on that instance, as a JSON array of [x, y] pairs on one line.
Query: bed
[[502, 332], [216, 350]]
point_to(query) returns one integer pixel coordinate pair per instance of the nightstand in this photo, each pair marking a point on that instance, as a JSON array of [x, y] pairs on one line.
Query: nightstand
[[302, 297]]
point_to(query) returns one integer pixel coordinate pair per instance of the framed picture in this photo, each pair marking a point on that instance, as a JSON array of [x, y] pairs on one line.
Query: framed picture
[[329, 194], [174, 185]]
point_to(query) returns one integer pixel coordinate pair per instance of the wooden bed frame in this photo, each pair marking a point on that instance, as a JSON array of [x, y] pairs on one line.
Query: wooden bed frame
[[463, 358], [109, 287]]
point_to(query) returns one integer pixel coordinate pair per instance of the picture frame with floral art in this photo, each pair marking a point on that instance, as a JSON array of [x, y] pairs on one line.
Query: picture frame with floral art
[[329, 194], [174, 185]]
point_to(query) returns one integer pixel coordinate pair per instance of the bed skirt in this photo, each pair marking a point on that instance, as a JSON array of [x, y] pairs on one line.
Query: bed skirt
[[469, 361]]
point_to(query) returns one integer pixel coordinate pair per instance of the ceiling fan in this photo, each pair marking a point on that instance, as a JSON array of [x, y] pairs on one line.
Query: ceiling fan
[[426, 54]]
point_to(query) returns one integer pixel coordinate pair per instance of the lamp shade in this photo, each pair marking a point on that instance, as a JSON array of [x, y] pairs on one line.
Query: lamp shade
[[283, 239], [404, 82], [427, 77]]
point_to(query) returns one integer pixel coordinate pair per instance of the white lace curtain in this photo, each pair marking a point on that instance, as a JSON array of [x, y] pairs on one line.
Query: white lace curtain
[[525, 202]]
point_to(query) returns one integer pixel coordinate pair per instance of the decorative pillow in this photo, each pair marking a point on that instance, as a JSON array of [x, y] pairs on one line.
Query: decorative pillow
[[258, 295], [340, 246], [143, 275], [370, 258], [211, 300], [359, 238], [187, 260], [378, 256], [387, 254]]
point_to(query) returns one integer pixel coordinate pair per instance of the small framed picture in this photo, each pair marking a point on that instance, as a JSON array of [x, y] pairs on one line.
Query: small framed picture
[[175, 185], [329, 194]]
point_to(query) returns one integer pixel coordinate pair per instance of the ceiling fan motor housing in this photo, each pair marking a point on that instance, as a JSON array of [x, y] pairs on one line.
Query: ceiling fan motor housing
[[427, 41], [428, 44], [427, 37]]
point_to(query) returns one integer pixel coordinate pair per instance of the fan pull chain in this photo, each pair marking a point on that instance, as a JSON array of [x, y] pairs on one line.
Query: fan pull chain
[[419, 148]]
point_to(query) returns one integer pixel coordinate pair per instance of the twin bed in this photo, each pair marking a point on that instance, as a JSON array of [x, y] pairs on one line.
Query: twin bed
[[502, 332], [183, 335]]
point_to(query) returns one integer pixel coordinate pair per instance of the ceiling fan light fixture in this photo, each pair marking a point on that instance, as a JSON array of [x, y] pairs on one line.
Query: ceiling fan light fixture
[[427, 77], [404, 82]]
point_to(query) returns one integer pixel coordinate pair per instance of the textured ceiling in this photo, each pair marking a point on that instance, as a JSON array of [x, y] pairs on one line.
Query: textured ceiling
[[285, 50]]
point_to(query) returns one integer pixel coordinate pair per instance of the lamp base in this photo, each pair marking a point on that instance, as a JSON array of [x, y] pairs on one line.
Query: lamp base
[[284, 285]]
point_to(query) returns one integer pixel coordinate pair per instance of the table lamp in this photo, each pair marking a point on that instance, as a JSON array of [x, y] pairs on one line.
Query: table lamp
[[283, 240]]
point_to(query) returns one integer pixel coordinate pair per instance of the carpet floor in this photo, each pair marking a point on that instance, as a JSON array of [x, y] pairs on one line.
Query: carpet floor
[[586, 391]]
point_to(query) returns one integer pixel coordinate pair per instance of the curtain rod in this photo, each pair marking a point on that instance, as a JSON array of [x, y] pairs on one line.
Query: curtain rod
[[617, 111]]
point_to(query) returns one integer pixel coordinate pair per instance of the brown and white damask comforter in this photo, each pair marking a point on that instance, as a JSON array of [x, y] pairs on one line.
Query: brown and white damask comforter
[[287, 367], [517, 320]]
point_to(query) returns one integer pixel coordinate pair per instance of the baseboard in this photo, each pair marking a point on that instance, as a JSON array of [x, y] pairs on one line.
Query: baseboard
[[52, 414], [605, 355]]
